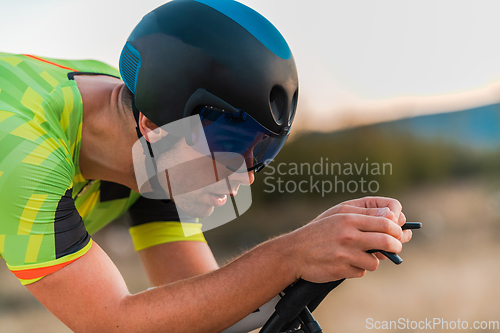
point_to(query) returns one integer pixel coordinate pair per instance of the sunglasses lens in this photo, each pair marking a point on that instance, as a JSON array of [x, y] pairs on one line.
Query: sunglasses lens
[[241, 134]]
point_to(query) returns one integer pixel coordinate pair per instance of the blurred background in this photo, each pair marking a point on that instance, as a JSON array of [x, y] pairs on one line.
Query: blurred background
[[411, 88]]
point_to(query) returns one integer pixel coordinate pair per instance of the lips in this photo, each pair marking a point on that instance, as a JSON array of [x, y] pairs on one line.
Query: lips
[[231, 193], [222, 196], [217, 200]]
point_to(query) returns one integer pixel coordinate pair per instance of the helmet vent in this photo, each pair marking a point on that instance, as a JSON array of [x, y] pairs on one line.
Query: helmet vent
[[130, 62], [293, 108], [277, 100]]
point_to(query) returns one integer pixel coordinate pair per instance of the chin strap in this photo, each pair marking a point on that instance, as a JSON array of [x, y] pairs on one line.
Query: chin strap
[[166, 144], [136, 111]]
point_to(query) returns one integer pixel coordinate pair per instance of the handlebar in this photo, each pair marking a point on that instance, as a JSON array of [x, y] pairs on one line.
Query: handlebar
[[296, 299], [300, 299]]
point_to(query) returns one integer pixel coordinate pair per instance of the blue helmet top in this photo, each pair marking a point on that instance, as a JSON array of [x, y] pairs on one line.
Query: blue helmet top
[[187, 54]]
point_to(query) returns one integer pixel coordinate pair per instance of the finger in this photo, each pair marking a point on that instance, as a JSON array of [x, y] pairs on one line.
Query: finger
[[402, 219], [379, 256], [390, 215], [365, 261], [375, 224], [348, 209], [407, 235], [374, 202], [374, 240], [378, 202], [354, 272]]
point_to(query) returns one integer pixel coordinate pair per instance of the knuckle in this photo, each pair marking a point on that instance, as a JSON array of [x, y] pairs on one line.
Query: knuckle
[[347, 237], [397, 203], [341, 209], [390, 215], [342, 257], [348, 219], [387, 242], [370, 201], [345, 222], [402, 216], [385, 225]]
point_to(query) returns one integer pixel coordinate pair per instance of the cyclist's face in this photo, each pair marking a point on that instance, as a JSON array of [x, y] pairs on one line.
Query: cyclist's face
[[196, 182]]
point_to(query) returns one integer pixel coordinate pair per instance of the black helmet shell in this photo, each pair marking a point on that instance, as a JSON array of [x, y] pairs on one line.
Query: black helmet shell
[[220, 46]]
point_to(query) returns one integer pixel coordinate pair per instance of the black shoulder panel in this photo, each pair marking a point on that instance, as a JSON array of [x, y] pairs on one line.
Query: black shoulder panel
[[113, 191], [69, 230]]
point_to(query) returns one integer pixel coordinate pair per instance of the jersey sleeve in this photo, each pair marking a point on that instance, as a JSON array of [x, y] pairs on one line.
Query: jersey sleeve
[[156, 222], [41, 231]]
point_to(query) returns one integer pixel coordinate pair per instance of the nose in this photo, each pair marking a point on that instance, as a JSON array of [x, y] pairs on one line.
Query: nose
[[244, 178], [251, 177]]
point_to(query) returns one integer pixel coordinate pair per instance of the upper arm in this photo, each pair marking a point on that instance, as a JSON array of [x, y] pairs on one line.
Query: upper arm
[[41, 230], [85, 295], [166, 252]]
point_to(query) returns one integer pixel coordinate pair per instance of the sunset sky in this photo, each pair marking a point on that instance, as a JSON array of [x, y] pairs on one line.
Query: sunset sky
[[348, 53]]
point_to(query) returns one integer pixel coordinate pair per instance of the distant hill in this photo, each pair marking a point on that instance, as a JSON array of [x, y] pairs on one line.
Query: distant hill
[[478, 127], [426, 149]]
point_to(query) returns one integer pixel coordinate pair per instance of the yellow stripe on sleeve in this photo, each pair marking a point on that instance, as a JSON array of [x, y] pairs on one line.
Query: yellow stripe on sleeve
[[14, 61], [33, 272], [64, 145], [29, 130], [2, 243], [26, 282], [29, 213], [78, 178], [77, 140], [40, 153], [33, 248], [156, 233], [56, 262], [68, 107], [5, 115], [33, 101], [89, 203], [49, 78]]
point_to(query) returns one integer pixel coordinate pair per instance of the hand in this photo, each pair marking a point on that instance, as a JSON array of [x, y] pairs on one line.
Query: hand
[[334, 245], [389, 208]]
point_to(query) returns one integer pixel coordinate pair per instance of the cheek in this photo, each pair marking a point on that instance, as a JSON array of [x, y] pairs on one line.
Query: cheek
[[190, 171], [191, 176]]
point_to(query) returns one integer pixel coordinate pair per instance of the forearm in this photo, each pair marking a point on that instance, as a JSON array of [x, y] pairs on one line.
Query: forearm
[[170, 262], [214, 301]]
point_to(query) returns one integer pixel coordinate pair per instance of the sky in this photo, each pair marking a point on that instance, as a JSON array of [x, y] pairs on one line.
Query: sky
[[348, 53]]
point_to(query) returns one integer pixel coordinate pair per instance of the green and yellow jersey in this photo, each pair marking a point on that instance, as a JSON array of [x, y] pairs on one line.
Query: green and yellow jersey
[[48, 209]]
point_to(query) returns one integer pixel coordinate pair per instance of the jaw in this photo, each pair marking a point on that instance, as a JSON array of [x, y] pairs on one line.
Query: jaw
[[196, 206]]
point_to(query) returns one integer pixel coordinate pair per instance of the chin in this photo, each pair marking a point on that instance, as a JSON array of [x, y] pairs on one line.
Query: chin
[[197, 210]]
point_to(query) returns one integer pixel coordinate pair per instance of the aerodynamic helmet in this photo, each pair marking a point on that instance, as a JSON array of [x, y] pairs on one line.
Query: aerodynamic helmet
[[217, 58]]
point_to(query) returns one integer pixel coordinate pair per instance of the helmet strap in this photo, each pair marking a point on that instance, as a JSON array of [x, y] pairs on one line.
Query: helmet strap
[[136, 111]]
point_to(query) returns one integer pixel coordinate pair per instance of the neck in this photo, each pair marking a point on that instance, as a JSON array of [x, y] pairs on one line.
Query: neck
[[108, 131]]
